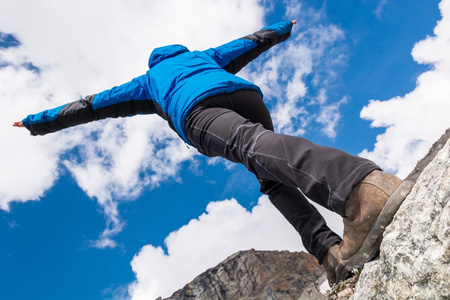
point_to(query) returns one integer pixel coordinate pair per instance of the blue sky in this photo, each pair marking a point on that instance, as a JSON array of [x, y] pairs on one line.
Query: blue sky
[[122, 209]]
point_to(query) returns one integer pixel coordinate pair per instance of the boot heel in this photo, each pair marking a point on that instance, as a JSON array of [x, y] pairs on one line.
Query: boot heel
[[371, 244]]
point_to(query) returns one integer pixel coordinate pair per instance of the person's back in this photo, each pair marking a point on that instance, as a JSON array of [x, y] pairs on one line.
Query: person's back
[[178, 79]]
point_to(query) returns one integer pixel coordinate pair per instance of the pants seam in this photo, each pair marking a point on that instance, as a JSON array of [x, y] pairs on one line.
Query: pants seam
[[233, 138], [292, 167], [348, 178]]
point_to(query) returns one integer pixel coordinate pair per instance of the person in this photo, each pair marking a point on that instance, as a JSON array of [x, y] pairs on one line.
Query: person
[[221, 114]]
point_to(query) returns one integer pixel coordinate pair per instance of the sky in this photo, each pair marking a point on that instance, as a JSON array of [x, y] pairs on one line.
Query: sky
[[123, 209]]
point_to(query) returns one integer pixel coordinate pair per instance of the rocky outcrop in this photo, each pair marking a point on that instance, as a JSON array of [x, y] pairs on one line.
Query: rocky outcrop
[[258, 275], [414, 260]]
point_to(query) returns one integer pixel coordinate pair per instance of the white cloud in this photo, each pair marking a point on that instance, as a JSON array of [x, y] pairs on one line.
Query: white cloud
[[128, 156], [29, 166], [380, 7], [311, 50], [329, 116], [213, 161], [83, 47], [416, 120], [225, 228]]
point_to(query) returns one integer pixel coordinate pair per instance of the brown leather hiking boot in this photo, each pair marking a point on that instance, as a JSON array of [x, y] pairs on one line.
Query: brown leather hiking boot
[[370, 207], [330, 263]]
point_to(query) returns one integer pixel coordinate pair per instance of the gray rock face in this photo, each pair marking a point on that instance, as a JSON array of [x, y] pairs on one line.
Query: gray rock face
[[258, 275], [414, 260]]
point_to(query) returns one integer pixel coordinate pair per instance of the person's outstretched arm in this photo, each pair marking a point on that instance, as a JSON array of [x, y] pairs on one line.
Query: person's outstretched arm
[[235, 55], [122, 101]]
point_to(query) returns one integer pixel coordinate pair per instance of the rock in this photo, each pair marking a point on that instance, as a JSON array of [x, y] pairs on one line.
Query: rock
[[255, 275], [314, 293], [420, 166], [414, 260]]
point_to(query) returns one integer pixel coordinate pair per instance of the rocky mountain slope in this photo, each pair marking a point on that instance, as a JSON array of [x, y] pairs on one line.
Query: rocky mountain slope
[[257, 275], [414, 261]]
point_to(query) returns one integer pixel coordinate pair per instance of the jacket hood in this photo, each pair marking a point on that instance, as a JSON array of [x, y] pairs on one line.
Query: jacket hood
[[162, 53]]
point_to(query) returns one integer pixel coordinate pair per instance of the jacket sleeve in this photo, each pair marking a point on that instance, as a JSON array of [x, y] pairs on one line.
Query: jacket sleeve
[[236, 54], [121, 101]]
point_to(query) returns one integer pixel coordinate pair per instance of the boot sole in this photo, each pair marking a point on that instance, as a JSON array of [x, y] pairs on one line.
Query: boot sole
[[371, 244]]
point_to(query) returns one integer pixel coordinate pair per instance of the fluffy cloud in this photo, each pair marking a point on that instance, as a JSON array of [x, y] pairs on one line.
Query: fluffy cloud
[[225, 228], [127, 157], [416, 120], [29, 166], [329, 116], [282, 76]]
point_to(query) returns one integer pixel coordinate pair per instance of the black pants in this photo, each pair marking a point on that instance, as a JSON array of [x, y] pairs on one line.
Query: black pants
[[238, 127]]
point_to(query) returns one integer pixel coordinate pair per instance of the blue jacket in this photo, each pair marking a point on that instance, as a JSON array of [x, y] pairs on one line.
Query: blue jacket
[[176, 81]]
